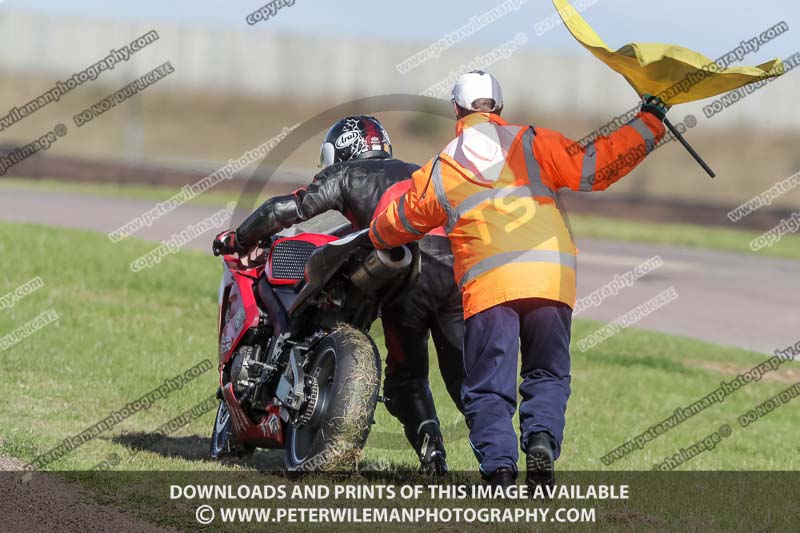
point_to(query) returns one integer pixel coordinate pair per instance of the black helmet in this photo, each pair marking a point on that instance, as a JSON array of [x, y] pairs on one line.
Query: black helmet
[[357, 137]]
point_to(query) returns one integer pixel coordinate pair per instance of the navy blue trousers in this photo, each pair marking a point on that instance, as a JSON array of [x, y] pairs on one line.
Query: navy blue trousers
[[540, 330]]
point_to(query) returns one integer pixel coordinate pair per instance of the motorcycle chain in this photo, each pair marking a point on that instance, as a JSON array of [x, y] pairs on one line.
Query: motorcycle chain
[[311, 404]]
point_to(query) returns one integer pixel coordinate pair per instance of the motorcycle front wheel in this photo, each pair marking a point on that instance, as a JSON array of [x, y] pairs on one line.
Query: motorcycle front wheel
[[224, 444], [343, 385]]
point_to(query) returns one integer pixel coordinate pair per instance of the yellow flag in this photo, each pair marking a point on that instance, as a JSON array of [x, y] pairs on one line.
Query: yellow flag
[[676, 74]]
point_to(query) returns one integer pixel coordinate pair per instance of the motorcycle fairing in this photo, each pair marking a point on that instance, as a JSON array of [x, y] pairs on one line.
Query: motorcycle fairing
[[268, 433], [315, 239], [238, 309]]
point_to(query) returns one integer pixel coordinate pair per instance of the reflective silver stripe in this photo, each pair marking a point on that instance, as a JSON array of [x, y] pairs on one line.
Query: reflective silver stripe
[[438, 186], [645, 132], [378, 235], [534, 172], [507, 258], [478, 198], [588, 168], [401, 210]]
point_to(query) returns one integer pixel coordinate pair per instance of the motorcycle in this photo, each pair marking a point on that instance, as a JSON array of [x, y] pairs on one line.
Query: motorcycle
[[297, 367]]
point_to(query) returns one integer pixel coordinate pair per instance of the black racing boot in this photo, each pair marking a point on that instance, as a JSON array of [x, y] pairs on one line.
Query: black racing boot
[[539, 461], [411, 402], [430, 447], [502, 477]]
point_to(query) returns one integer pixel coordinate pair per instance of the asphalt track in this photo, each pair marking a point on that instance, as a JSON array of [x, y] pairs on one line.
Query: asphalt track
[[726, 298]]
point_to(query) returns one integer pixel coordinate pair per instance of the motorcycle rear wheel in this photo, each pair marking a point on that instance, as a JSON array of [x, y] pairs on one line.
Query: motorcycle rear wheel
[[346, 368]]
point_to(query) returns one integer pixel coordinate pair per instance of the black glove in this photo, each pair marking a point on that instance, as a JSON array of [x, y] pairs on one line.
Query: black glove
[[655, 106], [226, 243]]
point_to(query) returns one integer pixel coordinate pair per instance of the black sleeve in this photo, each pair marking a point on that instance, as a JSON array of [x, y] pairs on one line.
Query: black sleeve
[[279, 212]]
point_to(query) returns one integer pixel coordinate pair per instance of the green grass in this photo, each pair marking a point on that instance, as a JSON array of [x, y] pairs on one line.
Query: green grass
[[691, 235], [121, 334], [156, 193]]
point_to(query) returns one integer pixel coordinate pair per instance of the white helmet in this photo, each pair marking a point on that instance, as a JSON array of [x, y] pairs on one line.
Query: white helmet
[[475, 85]]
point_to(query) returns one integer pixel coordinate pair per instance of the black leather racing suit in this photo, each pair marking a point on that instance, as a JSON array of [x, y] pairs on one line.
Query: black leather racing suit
[[354, 188]]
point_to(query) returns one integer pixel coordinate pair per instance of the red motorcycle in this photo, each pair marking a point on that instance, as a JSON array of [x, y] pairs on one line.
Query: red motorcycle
[[297, 368]]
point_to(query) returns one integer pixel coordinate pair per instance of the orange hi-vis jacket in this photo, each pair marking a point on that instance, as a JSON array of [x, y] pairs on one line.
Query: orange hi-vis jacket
[[493, 188]]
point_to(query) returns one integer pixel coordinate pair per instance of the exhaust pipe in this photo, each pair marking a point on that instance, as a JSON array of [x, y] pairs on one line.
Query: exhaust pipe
[[380, 267]]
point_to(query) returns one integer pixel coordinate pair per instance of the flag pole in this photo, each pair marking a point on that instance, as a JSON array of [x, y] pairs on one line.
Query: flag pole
[[689, 148]]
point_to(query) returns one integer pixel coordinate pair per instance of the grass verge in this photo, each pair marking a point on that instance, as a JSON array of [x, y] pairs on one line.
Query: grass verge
[[122, 334]]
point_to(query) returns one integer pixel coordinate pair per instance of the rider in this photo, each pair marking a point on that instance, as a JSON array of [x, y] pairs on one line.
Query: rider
[[360, 176]]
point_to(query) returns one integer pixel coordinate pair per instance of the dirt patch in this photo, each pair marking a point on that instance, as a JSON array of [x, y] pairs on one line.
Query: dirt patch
[[632, 519], [48, 503], [782, 375]]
